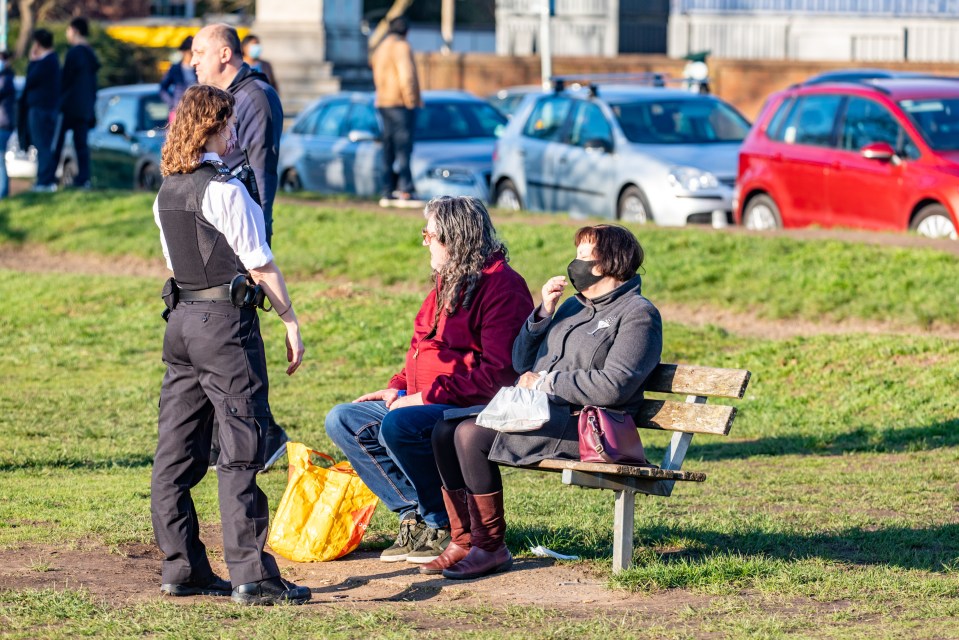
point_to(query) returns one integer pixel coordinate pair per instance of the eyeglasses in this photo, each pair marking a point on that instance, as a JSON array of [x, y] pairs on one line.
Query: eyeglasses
[[428, 236]]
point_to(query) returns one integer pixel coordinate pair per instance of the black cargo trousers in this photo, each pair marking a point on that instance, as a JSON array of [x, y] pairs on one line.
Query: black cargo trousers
[[216, 365]]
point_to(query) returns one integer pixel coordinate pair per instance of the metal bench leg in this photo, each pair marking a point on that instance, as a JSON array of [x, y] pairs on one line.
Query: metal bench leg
[[623, 530]]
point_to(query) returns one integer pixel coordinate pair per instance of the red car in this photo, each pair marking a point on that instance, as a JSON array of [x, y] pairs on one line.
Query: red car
[[877, 154]]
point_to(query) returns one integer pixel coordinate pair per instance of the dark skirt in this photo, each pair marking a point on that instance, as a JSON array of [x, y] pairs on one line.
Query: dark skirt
[[557, 439]]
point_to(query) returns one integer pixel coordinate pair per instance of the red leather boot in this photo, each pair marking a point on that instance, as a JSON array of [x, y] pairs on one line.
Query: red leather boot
[[459, 514], [488, 553]]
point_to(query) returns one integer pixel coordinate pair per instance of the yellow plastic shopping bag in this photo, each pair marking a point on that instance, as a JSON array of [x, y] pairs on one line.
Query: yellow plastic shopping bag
[[324, 512]]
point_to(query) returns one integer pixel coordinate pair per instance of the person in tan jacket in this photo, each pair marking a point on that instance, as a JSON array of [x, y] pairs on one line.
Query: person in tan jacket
[[397, 98]]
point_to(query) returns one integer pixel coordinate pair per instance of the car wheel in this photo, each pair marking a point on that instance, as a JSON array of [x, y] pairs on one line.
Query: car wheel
[[762, 214], [933, 221], [291, 182], [507, 196], [67, 174], [150, 178], [632, 206]]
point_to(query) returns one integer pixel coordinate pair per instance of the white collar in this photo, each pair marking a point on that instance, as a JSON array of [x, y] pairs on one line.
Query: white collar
[[209, 155]]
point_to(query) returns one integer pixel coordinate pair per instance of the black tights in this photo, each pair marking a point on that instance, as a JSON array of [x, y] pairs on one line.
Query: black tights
[[461, 450]]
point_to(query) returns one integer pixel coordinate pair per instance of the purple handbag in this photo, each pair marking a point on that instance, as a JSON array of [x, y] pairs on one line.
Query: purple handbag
[[606, 435]]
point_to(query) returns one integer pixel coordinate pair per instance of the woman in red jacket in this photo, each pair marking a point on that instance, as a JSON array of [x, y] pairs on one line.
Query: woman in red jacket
[[460, 355]]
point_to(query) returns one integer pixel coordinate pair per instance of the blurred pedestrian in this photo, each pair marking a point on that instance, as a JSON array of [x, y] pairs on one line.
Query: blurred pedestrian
[[397, 98], [252, 52], [41, 100], [218, 60], [180, 76], [78, 97], [8, 105]]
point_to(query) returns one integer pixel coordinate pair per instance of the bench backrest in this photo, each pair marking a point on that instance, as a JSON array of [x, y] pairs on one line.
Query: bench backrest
[[693, 416]]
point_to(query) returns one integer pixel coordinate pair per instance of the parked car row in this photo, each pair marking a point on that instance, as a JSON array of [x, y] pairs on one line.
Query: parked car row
[[864, 148]]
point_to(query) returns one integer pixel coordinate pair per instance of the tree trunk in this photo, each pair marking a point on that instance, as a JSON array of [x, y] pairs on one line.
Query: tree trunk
[[399, 8], [28, 19]]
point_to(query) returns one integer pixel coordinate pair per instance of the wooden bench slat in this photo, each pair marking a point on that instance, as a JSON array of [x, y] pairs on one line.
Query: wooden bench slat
[[651, 473], [698, 381], [687, 417]]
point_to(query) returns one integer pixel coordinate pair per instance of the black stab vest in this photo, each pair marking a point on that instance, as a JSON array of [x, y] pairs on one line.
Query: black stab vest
[[201, 256]]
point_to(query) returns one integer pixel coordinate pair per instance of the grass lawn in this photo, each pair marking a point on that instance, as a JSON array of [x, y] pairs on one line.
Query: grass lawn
[[830, 511]]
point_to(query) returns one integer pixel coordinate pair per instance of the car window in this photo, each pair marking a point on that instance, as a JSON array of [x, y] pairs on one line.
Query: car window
[[363, 118], [330, 120], [812, 121], [680, 121], [307, 122], [774, 130], [154, 113], [589, 123], [866, 122], [546, 120], [458, 120], [122, 110], [937, 119]]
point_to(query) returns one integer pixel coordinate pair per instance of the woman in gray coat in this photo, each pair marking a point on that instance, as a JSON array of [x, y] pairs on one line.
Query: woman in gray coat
[[596, 348]]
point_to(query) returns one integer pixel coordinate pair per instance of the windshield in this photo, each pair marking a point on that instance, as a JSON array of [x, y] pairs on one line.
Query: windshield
[[680, 122], [937, 120], [458, 120]]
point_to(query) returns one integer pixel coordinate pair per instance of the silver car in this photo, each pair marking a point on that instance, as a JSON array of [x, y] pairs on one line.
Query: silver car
[[334, 146], [631, 153]]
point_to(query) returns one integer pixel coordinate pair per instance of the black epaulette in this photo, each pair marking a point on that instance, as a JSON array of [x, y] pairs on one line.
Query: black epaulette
[[223, 173]]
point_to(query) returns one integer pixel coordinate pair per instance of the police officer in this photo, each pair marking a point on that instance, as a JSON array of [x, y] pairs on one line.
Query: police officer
[[214, 240]]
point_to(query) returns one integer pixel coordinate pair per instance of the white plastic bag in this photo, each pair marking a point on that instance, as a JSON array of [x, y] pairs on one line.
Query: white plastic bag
[[515, 409]]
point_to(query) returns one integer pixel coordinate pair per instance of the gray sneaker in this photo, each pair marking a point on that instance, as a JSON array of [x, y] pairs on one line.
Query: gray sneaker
[[411, 532], [430, 545]]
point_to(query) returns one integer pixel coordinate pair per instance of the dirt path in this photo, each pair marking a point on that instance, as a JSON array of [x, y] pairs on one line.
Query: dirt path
[[131, 574]]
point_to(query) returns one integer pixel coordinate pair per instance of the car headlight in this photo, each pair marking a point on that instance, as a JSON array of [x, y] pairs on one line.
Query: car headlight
[[691, 179], [459, 176]]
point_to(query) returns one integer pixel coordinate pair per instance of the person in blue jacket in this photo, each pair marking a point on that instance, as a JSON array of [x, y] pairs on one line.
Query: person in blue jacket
[[179, 77], [41, 99]]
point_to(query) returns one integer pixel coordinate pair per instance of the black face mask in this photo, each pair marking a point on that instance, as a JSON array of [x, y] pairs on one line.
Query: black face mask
[[581, 274]]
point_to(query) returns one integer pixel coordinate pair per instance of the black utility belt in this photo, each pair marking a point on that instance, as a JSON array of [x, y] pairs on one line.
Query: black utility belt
[[213, 294], [241, 292]]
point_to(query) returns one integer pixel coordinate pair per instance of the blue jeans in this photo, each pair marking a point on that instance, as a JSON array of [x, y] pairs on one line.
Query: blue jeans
[[393, 454], [4, 180]]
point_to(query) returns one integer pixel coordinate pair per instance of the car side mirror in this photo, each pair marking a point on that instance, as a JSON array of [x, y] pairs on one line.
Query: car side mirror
[[599, 144], [118, 129], [881, 151], [360, 135]]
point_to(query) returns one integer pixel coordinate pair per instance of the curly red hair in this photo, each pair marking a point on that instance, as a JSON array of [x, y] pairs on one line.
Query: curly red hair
[[203, 112]]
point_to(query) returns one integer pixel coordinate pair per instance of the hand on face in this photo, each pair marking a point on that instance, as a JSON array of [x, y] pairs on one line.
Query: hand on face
[[552, 292]]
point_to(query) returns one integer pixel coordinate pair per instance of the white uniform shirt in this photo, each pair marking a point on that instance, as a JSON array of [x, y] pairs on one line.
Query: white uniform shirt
[[230, 209]]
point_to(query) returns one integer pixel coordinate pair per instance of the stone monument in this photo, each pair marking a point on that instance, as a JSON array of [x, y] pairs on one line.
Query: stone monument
[[315, 47]]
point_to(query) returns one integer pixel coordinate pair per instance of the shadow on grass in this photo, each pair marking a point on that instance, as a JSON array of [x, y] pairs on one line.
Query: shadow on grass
[[934, 549], [918, 438], [133, 461], [6, 232]]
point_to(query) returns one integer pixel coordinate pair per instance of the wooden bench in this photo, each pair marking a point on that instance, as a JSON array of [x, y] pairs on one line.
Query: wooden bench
[[685, 419]]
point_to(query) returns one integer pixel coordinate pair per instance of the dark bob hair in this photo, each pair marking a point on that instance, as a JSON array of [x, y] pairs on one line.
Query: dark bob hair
[[616, 248]]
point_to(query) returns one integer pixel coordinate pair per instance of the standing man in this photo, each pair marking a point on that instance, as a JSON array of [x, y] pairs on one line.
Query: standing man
[[179, 77], [8, 105], [397, 98], [252, 52], [78, 97], [41, 98], [218, 60]]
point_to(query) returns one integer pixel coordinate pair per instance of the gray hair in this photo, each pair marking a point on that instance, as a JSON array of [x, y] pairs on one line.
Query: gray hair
[[464, 227]]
